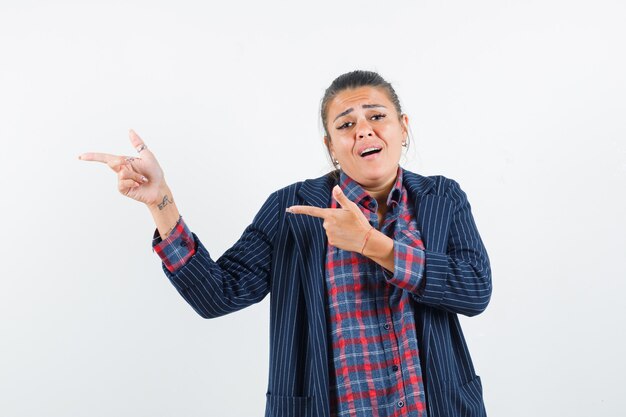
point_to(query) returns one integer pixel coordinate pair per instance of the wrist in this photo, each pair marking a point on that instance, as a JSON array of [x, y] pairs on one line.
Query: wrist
[[163, 200], [164, 234], [164, 212], [365, 239], [379, 247]]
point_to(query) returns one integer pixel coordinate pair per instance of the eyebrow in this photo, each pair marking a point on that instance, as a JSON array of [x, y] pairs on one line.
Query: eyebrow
[[351, 109]]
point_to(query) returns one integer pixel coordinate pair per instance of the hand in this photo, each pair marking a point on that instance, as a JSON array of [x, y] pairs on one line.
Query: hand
[[140, 178], [346, 227]]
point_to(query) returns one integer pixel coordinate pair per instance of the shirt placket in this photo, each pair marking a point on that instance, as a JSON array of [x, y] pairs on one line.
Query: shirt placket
[[385, 315]]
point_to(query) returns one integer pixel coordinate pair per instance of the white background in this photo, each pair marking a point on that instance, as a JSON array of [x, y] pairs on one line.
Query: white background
[[521, 102]]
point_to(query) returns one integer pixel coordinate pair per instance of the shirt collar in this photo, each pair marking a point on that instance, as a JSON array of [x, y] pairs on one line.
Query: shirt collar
[[356, 193]]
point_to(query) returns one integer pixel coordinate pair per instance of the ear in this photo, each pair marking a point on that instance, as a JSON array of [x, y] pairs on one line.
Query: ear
[[405, 124], [329, 145]]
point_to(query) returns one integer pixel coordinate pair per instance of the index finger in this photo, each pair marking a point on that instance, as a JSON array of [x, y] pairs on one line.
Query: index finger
[[309, 210], [98, 157], [115, 162]]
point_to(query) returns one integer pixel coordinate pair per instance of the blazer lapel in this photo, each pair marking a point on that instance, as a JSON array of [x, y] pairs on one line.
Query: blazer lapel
[[426, 203], [432, 211]]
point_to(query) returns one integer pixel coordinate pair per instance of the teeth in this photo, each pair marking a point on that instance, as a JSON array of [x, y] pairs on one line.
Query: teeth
[[369, 150]]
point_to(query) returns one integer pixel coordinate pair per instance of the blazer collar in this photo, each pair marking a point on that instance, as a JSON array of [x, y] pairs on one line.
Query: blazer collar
[[317, 192], [417, 184]]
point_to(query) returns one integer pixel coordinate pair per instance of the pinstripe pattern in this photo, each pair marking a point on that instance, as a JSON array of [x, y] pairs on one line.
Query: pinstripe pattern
[[284, 255]]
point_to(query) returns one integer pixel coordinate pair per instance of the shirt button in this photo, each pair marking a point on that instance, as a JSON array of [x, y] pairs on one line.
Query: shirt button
[[394, 368], [386, 326], [400, 404]]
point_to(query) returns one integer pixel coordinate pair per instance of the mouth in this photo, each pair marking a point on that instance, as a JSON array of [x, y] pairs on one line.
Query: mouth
[[370, 151]]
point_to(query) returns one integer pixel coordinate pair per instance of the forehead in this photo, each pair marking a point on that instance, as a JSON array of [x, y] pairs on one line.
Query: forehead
[[356, 97]]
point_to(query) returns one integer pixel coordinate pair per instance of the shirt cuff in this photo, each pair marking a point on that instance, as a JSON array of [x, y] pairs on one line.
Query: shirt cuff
[[177, 248], [408, 261]]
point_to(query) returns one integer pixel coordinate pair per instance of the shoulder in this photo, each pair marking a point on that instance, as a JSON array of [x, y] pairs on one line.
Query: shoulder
[[434, 185], [431, 184]]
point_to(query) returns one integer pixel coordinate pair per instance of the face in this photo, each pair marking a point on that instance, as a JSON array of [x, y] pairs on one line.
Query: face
[[366, 135]]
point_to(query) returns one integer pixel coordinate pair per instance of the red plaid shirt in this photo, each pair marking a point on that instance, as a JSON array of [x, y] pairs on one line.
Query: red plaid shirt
[[375, 367], [177, 248]]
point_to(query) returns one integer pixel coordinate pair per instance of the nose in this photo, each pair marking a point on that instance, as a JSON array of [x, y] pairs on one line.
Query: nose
[[364, 130]]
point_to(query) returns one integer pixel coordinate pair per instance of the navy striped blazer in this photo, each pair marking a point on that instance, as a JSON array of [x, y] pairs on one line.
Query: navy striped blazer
[[283, 254]]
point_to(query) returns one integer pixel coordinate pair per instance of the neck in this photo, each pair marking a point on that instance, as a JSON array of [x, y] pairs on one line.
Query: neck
[[380, 193]]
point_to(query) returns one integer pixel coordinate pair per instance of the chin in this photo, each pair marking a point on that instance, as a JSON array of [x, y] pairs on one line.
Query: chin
[[375, 178]]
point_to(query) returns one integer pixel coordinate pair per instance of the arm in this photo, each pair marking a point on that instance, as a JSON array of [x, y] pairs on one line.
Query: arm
[[239, 278], [458, 280]]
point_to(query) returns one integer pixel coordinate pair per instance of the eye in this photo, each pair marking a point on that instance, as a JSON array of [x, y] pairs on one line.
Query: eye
[[345, 125], [378, 116]]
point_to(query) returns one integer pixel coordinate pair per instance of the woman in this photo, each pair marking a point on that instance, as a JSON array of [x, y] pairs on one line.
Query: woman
[[367, 266]]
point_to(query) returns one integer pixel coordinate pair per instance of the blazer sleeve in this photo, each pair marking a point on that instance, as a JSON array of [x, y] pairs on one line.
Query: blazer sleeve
[[459, 280], [239, 278]]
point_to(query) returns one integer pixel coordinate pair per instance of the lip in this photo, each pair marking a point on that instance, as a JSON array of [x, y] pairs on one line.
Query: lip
[[369, 145], [371, 156]]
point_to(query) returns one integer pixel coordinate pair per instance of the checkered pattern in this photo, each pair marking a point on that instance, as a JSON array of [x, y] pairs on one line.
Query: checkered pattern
[[375, 363], [177, 248]]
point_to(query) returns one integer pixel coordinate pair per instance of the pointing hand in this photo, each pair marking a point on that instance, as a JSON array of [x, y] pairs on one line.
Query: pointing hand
[[140, 178], [346, 227]]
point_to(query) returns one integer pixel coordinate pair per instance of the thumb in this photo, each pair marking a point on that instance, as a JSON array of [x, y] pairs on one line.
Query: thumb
[[135, 140], [342, 199]]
